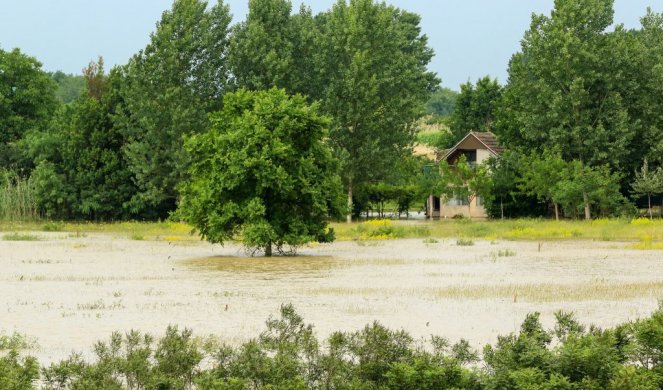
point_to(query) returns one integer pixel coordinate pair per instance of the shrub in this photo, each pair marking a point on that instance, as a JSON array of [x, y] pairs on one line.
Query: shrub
[[464, 242]]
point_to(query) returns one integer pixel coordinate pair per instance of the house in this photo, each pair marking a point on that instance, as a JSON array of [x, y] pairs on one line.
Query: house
[[477, 147]]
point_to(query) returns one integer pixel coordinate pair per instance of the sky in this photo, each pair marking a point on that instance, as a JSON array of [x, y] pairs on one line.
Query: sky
[[471, 38]]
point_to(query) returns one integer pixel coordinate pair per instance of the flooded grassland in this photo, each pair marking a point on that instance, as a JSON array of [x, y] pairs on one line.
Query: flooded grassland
[[68, 292]]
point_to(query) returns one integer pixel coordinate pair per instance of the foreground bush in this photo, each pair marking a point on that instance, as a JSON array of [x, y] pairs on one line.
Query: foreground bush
[[287, 355]]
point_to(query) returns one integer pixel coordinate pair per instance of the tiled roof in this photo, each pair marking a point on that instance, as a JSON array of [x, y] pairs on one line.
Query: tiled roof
[[489, 139], [485, 137]]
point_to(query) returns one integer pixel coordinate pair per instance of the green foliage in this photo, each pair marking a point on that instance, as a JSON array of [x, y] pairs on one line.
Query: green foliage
[[81, 171], [168, 90], [17, 198], [571, 188], [589, 188], [648, 183], [373, 68], [18, 373], [27, 101], [16, 236], [475, 108], [263, 172], [463, 181], [507, 198], [15, 341], [132, 361], [70, 87], [588, 91], [52, 226], [287, 355], [442, 102], [541, 177], [273, 48]]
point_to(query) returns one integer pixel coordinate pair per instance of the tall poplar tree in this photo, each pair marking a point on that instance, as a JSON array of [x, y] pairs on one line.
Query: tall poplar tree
[[373, 61], [275, 48], [560, 92], [170, 87]]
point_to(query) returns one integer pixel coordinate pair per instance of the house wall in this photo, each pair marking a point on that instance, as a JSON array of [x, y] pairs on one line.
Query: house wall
[[482, 155], [447, 211]]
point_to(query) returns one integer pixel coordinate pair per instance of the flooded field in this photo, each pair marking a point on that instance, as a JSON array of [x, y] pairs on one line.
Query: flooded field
[[68, 292]]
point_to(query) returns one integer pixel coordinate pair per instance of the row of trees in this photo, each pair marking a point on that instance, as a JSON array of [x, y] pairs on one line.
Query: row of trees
[[117, 151], [579, 115], [288, 355], [580, 98]]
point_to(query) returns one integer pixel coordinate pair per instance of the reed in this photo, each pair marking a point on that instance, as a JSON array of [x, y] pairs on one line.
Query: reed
[[17, 198]]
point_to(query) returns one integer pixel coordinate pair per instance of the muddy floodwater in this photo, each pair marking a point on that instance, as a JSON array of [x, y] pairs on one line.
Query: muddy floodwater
[[68, 292]]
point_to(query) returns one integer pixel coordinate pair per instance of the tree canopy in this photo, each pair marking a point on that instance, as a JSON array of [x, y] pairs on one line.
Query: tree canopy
[[27, 103], [169, 89], [374, 60], [475, 108], [263, 173]]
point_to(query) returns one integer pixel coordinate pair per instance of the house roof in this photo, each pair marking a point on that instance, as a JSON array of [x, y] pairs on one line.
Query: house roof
[[486, 138]]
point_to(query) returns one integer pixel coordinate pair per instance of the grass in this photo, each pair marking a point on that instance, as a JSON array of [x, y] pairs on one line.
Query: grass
[[464, 242], [505, 253], [100, 305], [16, 236], [174, 231], [635, 230], [538, 293], [17, 198], [519, 229], [52, 226]]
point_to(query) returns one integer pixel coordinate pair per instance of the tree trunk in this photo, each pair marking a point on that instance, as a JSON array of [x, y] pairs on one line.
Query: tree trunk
[[469, 208], [588, 213], [649, 205], [349, 217], [268, 250], [556, 211]]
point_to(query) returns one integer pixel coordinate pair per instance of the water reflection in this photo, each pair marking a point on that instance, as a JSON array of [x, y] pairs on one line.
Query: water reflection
[[276, 265]]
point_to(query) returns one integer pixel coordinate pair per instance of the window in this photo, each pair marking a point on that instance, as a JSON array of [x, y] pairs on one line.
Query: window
[[458, 201]]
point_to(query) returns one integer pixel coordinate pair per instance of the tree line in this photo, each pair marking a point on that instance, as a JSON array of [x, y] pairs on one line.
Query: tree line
[[579, 115], [117, 150], [288, 355]]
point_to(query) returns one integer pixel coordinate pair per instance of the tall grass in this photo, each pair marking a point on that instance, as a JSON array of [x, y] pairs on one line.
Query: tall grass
[[637, 230], [17, 198]]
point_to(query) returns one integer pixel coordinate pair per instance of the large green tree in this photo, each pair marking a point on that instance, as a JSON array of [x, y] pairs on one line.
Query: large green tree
[[540, 176], [475, 108], [263, 173], [559, 93], [373, 61], [634, 70], [169, 89], [81, 170], [562, 92], [274, 48], [27, 102]]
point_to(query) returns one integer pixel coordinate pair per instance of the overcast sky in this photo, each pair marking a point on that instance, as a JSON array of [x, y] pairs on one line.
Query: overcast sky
[[471, 38]]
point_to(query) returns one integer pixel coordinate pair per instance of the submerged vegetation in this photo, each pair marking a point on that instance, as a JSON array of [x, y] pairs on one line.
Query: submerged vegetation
[[288, 355]]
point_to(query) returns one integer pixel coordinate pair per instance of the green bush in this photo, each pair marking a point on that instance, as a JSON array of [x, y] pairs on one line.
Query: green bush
[[287, 355]]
